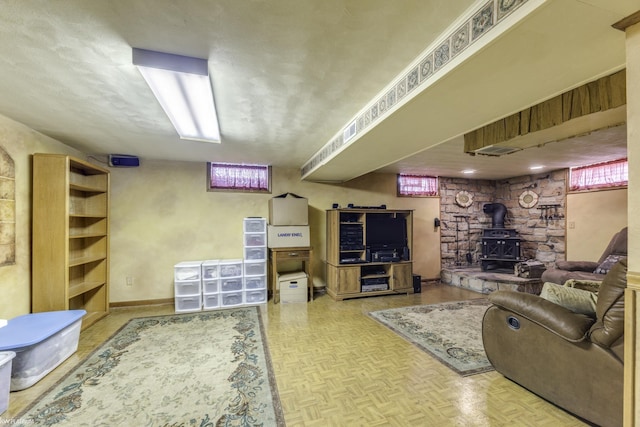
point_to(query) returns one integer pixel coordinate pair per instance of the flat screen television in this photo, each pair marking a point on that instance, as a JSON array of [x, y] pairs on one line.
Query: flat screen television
[[385, 232]]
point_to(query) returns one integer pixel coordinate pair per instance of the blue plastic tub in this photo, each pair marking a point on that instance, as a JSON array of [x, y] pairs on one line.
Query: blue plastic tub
[[41, 342]]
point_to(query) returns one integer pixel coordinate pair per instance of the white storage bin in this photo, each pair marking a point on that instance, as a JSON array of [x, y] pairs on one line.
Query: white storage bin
[[187, 270], [231, 284], [41, 342], [255, 268], [191, 287], [188, 303], [5, 378], [293, 287], [230, 268], [255, 296], [255, 282], [210, 301], [210, 269], [255, 239], [255, 253], [231, 299], [210, 286], [255, 225]]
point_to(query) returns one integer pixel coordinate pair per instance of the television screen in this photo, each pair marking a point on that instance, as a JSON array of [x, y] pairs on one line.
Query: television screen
[[386, 232]]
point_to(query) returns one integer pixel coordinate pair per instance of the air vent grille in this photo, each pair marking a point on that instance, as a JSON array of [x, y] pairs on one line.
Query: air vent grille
[[492, 150]]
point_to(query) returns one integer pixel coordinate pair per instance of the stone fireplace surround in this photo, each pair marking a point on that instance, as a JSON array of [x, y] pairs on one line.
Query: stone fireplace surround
[[542, 240]]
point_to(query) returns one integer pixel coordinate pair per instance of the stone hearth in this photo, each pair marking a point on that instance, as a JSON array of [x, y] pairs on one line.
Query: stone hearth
[[475, 279]]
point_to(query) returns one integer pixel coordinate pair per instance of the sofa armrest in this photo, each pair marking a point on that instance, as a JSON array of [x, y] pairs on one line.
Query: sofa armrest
[[553, 317], [589, 266]]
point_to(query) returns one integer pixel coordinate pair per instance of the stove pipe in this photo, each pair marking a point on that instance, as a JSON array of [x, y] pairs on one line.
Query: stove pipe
[[497, 211]]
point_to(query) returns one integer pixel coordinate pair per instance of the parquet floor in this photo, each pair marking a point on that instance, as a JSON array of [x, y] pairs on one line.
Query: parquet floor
[[335, 366]]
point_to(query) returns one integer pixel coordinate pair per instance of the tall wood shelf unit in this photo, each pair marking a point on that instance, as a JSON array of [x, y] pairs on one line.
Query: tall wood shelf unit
[[70, 256], [344, 279]]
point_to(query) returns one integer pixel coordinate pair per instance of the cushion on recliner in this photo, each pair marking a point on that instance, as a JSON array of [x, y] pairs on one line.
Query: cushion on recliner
[[608, 262]]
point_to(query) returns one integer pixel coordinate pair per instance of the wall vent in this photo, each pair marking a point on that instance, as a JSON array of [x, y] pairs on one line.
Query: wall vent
[[349, 132], [492, 150]]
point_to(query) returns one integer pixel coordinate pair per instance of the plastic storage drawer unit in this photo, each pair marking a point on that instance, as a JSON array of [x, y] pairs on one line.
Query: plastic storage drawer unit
[[188, 303], [187, 287], [230, 268], [231, 299], [210, 286], [210, 301], [255, 239], [255, 253], [256, 296], [255, 268], [187, 270], [41, 342], [5, 378], [210, 269], [255, 282], [255, 225], [231, 284]]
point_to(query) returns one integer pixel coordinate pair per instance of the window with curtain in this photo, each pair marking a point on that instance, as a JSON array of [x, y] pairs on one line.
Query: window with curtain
[[417, 185], [238, 177], [601, 175]]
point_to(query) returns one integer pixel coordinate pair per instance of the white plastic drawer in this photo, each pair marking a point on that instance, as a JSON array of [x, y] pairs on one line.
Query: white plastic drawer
[[188, 303], [210, 301], [229, 299], [188, 270], [255, 296], [230, 268], [210, 286], [255, 239], [190, 287], [255, 225], [232, 284], [255, 253], [210, 269], [255, 268], [255, 282]]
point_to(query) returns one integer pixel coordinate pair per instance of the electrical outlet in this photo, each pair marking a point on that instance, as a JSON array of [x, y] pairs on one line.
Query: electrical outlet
[[129, 280]]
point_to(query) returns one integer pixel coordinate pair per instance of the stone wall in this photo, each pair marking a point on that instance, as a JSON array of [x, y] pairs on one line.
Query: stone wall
[[461, 227]]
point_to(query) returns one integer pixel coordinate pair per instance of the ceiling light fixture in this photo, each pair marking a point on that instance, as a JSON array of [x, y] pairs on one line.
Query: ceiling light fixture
[[468, 171], [182, 86], [533, 168]]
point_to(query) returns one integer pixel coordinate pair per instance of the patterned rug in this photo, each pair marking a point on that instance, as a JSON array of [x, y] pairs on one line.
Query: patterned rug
[[451, 332], [199, 369]]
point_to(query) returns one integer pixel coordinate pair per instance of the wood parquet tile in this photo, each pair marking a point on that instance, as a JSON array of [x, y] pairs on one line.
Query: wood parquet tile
[[335, 366]]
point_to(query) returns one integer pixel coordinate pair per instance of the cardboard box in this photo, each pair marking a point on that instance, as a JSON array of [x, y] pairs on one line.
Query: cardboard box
[[288, 236], [293, 287], [288, 209]]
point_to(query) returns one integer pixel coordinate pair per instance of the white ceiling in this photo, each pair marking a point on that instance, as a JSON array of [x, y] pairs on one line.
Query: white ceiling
[[289, 75]]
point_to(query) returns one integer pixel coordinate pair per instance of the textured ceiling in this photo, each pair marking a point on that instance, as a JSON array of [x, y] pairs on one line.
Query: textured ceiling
[[288, 75]]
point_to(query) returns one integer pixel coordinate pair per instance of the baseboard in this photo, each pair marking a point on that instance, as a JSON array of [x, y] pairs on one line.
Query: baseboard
[[141, 302]]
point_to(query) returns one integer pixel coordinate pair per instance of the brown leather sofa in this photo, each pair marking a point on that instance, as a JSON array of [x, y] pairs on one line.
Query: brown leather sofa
[[585, 270], [572, 360]]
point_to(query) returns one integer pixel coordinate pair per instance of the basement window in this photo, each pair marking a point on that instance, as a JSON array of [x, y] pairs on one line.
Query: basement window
[[417, 186], [238, 177], [600, 175]]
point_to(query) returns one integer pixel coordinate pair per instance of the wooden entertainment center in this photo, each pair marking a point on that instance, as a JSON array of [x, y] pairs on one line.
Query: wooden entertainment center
[[369, 252]]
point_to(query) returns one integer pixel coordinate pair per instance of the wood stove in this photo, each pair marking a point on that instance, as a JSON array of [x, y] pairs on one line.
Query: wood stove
[[500, 248]]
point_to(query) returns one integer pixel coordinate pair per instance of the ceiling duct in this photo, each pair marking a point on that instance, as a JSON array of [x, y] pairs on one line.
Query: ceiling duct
[[494, 150]]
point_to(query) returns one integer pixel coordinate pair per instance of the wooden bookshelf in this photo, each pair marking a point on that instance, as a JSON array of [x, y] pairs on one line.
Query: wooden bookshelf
[[70, 255]]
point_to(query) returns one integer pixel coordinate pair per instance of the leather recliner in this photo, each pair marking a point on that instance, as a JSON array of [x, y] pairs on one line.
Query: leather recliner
[[572, 360], [585, 270]]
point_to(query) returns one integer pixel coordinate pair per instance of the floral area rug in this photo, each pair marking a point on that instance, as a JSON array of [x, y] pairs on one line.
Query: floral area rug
[[451, 332], [198, 369]]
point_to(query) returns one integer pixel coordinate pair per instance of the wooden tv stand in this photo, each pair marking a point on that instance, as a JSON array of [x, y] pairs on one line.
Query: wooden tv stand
[[351, 271]]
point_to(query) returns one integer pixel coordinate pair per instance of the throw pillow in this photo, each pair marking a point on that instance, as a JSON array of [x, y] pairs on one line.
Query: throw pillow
[[608, 263], [576, 300]]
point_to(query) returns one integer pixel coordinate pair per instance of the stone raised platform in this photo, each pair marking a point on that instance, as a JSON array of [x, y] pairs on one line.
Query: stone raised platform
[[475, 279]]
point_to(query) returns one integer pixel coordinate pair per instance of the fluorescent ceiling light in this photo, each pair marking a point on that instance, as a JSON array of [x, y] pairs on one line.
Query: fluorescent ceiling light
[[536, 167], [468, 171], [182, 86]]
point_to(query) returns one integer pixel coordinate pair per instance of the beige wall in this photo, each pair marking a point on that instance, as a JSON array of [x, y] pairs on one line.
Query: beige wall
[[20, 143], [161, 214], [596, 216]]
